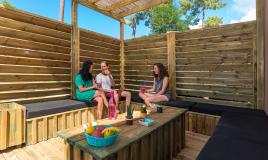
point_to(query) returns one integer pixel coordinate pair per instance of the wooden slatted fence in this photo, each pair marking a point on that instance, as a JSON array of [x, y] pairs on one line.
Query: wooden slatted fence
[[140, 55], [216, 65], [34, 58], [97, 47]]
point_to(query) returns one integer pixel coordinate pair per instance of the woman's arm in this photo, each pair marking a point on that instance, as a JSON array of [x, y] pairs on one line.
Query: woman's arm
[[164, 86], [111, 79], [83, 89], [151, 89]]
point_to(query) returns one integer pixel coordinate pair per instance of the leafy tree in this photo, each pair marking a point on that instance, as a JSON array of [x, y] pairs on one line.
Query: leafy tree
[[7, 4], [160, 19], [165, 17], [213, 21], [194, 8]]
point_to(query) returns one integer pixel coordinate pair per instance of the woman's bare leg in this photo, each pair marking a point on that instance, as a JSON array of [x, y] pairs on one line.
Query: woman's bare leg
[[101, 94], [155, 99], [128, 97], [116, 97], [99, 106]]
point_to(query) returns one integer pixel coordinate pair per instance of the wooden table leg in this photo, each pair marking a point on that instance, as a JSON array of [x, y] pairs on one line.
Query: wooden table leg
[[76, 153], [67, 151]]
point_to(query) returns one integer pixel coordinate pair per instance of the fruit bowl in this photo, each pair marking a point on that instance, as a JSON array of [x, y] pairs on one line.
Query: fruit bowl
[[101, 141]]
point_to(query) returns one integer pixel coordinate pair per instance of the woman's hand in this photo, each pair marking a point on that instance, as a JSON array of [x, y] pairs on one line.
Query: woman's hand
[[94, 86]]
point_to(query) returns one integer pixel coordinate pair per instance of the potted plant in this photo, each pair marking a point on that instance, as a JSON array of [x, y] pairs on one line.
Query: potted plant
[[143, 112], [129, 117]]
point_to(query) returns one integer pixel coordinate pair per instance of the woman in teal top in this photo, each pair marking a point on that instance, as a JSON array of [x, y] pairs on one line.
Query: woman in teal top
[[86, 88]]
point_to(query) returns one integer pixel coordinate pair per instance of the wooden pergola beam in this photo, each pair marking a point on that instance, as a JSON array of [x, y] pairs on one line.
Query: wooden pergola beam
[[122, 56], [141, 8], [266, 57], [75, 46], [94, 7], [260, 9], [171, 49], [119, 4]]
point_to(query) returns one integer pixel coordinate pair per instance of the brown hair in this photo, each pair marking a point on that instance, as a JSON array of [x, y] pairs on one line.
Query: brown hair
[[162, 71], [105, 62]]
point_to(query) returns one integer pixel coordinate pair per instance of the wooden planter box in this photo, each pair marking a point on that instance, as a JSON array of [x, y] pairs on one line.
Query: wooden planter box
[[12, 125]]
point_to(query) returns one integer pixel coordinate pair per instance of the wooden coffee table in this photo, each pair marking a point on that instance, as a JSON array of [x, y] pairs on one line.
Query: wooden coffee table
[[161, 141]]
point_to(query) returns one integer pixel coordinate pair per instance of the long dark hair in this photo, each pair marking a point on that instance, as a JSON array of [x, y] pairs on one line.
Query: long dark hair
[[84, 72], [162, 71]]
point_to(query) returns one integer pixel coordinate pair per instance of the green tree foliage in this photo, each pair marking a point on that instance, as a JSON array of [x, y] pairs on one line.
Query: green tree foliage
[[213, 21], [160, 19], [7, 4], [165, 17], [194, 9]]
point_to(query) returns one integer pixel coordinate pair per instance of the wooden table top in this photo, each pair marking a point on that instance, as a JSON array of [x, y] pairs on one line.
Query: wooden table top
[[127, 135]]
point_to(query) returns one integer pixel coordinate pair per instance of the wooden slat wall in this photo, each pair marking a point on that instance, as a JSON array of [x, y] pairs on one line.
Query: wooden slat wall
[[97, 47], [140, 55], [217, 65], [34, 58]]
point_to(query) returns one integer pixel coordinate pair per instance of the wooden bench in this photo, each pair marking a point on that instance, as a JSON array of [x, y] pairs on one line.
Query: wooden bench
[[45, 119]]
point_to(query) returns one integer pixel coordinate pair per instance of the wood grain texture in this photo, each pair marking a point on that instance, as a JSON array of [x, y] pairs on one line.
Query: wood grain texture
[[12, 129], [139, 136]]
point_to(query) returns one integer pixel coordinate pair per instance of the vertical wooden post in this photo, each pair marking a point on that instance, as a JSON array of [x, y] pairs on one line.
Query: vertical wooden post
[[172, 63], [266, 57], [260, 9], [75, 46], [122, 56]]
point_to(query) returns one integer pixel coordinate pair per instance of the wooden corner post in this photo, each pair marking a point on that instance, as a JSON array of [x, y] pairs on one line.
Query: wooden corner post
[[260, 9], [172, 62], [75, 47], [122, 56]]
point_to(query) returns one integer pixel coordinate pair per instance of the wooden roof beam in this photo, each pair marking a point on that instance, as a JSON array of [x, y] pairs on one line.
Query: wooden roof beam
[[148, 5], [86, 3], [119, 4]]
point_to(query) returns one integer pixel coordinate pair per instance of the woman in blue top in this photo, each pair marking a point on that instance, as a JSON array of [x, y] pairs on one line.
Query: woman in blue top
[[160, 90], [86, 87]]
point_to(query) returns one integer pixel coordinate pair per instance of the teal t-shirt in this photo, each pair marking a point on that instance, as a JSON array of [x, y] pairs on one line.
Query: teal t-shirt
[[86, 95]]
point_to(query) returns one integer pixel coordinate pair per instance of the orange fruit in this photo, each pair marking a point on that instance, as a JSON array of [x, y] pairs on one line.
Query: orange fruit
[[90, 129]]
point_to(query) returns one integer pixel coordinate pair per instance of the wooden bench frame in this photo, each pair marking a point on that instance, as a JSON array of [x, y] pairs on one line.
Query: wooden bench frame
[[43, 128]]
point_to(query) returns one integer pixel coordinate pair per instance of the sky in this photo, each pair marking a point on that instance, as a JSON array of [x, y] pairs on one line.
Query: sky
[[235, 11]]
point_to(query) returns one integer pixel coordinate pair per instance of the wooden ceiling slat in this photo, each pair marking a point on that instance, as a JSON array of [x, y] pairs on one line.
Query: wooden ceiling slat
[[148, 5], [94, 7], [120, 4]]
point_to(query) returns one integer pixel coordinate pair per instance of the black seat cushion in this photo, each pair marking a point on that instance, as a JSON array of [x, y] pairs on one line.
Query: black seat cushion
[[179, 104], [220, 109], [238, 136], [53, 107], [136, 98], [244, 126], [226, 148]]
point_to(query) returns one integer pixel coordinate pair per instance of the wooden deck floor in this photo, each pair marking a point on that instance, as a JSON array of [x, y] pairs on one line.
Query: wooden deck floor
[[53, 149]]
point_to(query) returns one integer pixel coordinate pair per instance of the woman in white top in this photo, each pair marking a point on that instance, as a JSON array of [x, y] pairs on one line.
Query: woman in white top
[[106, 80]]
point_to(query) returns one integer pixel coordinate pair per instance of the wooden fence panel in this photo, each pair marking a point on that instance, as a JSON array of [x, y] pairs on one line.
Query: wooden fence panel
[[97, 48], [140, 55], [34, 58], [216, 65]]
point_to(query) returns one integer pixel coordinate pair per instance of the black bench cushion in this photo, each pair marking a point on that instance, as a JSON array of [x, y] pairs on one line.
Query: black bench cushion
[[246, 127], [220, 109], [53, 107], [136, 98], [238, 136], [226, 148], [179, 104]]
